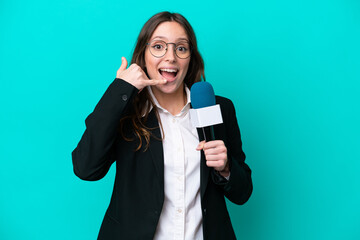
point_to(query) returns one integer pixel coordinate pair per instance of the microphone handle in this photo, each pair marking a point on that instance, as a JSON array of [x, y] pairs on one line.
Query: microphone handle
[[208, 133]]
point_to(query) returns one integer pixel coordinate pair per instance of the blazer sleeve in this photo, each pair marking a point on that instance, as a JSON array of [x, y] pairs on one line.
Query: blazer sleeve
[[239, 187], [93, 155]]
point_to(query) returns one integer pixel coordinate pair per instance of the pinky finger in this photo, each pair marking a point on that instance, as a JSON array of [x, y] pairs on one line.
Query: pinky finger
[[155, 82]]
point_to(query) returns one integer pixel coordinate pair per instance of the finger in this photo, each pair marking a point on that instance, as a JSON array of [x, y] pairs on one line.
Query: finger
[[215, 164], [153, 82], [134, 67], [124, 64], [214, 151], [218, 157], [213, 144], [200, 146]]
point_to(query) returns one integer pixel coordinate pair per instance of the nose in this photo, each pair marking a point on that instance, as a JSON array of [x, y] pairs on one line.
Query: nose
[[170, 53]]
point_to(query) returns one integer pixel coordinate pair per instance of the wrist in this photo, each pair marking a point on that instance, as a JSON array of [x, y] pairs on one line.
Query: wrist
[[226, 171]]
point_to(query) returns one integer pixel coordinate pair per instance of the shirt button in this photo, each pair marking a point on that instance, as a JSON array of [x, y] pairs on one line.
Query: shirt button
[[124, 97], [173, 120], [179, 210]]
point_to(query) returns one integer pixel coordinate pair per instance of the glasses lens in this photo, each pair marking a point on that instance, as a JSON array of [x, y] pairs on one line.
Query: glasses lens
[[158, 48], [183, 49]]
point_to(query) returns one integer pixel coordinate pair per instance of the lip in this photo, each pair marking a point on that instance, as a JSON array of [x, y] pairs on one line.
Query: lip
[[169, 79]]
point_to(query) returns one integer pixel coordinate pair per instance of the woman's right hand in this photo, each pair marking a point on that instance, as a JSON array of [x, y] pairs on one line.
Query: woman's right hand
[[135, 75]]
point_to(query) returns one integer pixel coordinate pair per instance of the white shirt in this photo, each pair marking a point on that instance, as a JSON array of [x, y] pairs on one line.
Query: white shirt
[[181, 216]]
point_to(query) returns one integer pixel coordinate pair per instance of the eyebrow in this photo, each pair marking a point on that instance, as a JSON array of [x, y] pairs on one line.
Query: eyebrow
[[179, 39]]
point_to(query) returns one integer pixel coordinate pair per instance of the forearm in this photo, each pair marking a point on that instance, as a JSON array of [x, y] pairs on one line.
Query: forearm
[[92, 157], [239, 187]]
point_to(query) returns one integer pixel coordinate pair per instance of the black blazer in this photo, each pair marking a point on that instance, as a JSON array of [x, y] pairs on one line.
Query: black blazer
[[138, 193]]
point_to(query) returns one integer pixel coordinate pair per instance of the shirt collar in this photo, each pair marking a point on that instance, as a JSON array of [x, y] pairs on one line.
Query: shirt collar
[[183, 110]]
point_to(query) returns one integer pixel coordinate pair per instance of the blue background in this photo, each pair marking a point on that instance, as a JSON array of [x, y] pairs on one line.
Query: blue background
[[292, 69]]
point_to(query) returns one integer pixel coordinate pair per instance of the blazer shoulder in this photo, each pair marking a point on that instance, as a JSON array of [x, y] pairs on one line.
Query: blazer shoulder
[[221, 99], [224, 102]]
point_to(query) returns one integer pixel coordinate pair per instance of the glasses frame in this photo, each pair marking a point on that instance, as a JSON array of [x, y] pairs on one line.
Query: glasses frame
[[166, 49]]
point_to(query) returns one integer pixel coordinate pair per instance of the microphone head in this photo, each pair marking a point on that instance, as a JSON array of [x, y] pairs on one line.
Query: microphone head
[[202, 95]]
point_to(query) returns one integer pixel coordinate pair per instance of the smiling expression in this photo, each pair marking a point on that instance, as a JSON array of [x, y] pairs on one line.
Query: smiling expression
[[169, 67]]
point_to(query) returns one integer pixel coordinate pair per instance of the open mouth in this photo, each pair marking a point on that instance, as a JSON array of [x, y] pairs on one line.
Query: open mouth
[[168, 73]]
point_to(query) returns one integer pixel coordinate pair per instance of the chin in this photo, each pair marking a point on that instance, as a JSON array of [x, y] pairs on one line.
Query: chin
[[166, 89], [169, 88]]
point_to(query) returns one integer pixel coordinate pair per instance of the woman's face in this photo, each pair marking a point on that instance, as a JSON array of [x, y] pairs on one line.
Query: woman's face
[[170, 66]]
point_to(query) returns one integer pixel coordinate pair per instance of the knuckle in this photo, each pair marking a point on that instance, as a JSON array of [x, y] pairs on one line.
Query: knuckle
[[132, 66]]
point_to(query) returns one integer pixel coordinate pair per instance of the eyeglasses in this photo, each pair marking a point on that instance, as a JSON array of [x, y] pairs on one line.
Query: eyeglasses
[[158, 48]]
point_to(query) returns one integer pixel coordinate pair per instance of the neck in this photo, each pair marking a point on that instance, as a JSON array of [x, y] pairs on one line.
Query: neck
[[173, 102]]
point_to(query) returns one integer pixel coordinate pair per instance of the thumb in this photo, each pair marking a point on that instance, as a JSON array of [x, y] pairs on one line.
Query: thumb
[[200, 146], [124, 64]]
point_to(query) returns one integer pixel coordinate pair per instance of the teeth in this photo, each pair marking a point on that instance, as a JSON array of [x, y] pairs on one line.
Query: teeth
[[168, 70]]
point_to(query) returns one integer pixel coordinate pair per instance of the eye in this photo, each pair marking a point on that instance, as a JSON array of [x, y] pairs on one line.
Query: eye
[[158, 46], [182, 49]]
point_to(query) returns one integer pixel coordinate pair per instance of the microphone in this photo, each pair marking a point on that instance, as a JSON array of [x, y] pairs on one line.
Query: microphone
[[205, 112]]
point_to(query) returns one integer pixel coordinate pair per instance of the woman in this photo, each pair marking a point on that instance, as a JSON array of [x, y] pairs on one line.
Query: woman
[[167, 184]]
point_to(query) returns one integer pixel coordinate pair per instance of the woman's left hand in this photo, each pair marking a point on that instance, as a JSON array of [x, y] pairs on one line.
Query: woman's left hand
[[216, 155]]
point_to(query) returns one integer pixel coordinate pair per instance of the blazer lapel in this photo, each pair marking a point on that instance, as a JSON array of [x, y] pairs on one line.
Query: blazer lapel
[[157, 154], [156, 147]]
